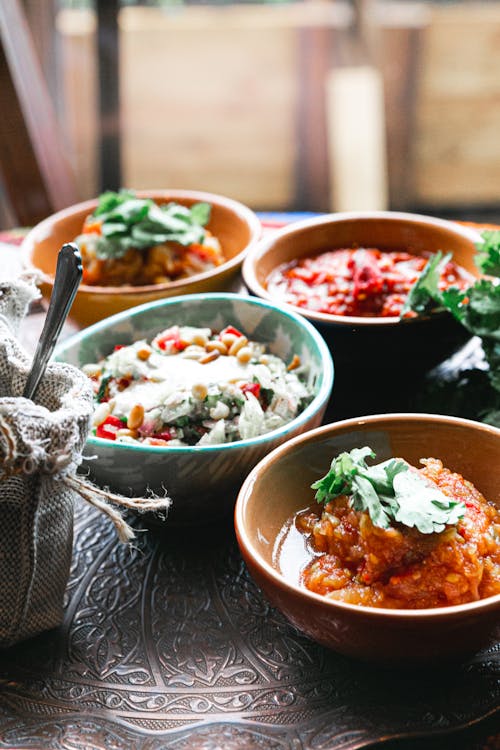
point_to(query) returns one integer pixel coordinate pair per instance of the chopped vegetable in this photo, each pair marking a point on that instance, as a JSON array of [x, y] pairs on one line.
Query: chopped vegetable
[[389, 491]]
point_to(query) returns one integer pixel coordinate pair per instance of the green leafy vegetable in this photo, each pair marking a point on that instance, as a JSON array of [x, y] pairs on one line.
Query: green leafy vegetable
[[389, 491], [425, 293], [488, 258], [477, 308], [140, 223]]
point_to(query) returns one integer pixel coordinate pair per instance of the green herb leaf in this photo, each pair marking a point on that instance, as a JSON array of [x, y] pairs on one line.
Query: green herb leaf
[[130, 222], [477, 308], [423, 505], [389, 491], [424, 294], [488, 257]]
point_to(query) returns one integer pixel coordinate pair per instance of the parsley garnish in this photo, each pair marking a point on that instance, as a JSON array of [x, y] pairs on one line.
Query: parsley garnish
[[103, 388], [390, 492], [140, 223]]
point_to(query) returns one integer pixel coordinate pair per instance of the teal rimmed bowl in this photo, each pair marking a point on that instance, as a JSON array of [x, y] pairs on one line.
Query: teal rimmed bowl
[[201, 480]]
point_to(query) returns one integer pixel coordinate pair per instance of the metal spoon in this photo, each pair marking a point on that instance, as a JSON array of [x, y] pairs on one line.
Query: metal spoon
[[68, 275]]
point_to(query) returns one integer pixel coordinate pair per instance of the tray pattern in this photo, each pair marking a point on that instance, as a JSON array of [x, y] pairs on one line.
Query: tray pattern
[[171, 645]]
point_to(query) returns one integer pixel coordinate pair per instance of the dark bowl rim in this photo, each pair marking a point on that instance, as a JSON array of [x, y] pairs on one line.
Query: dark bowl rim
[[269, 572], [318, 403], [262, 246], [127, 290]]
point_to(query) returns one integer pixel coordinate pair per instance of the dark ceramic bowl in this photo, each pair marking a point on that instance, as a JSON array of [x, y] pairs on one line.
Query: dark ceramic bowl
[[373, 343], [279, 486]]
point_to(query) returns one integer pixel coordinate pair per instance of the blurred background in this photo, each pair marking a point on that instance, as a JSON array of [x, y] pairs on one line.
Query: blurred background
[[313, 105]]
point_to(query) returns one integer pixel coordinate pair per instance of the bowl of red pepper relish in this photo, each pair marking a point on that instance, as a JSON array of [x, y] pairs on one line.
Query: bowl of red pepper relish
[[350, 274], [415, 598], [366, 282]]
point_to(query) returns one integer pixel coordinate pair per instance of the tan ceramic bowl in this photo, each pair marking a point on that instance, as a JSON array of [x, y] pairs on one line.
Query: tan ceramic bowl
[[421, 342], [235, 225], [280, 485]]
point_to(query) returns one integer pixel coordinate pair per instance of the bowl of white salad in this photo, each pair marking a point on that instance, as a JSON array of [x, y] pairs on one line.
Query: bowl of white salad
[[191, 392]]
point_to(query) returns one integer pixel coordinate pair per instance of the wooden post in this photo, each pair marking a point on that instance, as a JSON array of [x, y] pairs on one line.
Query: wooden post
[[36, 177], [108, 52]]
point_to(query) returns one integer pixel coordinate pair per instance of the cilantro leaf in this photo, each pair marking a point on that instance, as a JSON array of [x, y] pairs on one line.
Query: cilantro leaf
[[477, 308], [425, 293], [423, 505], [488, 257], [389, 491]]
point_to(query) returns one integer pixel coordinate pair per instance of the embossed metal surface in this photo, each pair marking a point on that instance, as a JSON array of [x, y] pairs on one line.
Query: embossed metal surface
[[171, 645]]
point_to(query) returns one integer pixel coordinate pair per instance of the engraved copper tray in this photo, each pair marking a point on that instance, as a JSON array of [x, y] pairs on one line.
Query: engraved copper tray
[[169, 644]]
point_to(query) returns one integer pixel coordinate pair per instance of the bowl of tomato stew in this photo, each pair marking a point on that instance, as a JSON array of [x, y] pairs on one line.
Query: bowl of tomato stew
[[151, 245], [382, 537], [350, 275]]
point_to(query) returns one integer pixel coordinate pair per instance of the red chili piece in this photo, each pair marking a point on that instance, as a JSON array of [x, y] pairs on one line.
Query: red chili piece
[[109, 427], [251, 388], [171, 339]]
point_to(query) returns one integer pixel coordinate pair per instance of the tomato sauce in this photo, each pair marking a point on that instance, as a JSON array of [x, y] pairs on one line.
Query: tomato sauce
[[399, 567], [363, 282]]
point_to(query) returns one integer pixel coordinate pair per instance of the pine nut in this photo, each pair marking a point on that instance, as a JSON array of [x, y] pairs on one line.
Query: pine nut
[[228, 339], [127, 433], [244, 355], [218, 346], [199, 391], [294, 363], [209, 357], [240, 342], [200, 339], [144, 353], [101, 413], [136, 417], [219, 411]]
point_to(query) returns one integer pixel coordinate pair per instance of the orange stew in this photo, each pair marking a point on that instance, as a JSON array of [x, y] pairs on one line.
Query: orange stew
[[399, 567], [356, 281]]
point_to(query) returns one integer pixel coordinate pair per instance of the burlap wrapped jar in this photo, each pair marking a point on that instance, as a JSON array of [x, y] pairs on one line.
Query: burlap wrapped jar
[[41, 446]]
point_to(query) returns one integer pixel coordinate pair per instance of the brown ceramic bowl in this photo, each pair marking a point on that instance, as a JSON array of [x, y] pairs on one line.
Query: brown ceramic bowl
[[235, 225], [399, 344], [280, 485]]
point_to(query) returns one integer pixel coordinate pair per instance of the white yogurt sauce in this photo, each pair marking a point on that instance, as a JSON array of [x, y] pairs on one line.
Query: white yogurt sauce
[[178, 374]]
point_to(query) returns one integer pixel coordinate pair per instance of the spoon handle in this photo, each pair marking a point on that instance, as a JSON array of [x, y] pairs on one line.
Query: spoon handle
[[68, 275]]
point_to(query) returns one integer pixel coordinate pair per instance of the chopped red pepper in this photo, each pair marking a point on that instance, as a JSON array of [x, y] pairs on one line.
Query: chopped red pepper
[[117, 347], [109, 427], [165, 435], [251, 388], [230, 329], [171, 339]]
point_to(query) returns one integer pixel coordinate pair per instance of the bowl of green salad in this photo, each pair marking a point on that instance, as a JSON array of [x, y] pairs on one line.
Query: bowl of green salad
[[191, 392]]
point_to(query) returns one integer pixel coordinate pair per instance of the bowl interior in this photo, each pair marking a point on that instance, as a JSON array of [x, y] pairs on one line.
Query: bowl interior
[[386, 231], [280, 485], [232, 223]]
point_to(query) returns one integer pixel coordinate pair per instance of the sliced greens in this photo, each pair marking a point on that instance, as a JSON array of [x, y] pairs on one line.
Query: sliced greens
[[126, 221], [391, 491]]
